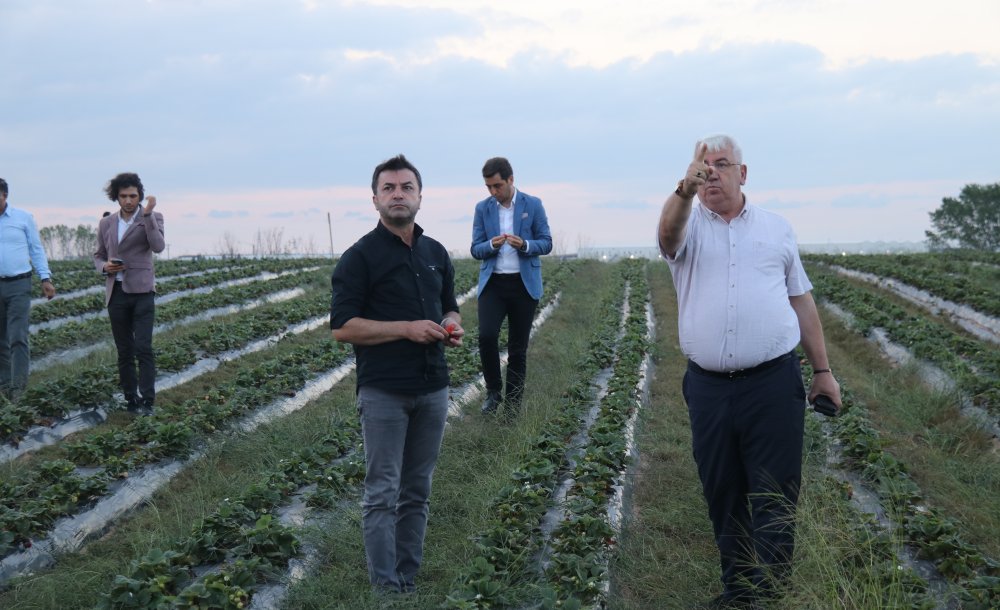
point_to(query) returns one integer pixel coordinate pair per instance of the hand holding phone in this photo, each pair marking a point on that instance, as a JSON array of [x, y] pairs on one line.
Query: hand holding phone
[[825, 405]]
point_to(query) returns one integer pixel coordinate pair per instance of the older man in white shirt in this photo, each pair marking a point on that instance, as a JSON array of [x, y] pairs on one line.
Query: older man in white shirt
[[744, 303]]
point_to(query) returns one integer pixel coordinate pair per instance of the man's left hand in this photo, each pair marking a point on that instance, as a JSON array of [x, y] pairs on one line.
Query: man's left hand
[[825, 383], [515, 242], [49, 290], [454, 331], [150, 204]]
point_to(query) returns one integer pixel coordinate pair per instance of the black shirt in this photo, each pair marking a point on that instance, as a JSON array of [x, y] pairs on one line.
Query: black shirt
[[381, 278]]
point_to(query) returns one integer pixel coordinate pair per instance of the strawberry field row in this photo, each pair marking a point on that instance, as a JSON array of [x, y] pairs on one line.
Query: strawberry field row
[[170, 433], [242, 535], [92, 303], [95, 386], [947, 277], [933, 534], [585, 539], [973, 364], [502, 571], [73, 334]]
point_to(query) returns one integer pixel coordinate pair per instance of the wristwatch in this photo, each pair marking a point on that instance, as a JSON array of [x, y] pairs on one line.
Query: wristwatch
[[680, 190]]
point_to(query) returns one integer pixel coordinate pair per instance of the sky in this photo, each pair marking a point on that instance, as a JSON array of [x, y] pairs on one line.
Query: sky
[[263, 119]]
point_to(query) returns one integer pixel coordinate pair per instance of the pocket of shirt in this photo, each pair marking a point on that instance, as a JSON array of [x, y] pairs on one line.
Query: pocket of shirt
[[768, 258]]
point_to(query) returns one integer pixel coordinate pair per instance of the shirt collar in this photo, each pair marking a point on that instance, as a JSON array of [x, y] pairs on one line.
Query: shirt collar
[[744, 213], [513, 198], [387, 234]]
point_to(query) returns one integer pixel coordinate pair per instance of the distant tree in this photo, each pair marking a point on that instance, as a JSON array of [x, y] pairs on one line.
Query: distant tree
[[972, 220], [84, 241], [269, 243], [229, 246], [62, 242]]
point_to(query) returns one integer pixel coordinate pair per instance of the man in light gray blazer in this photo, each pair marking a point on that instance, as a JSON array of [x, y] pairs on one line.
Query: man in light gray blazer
[[126, 242]]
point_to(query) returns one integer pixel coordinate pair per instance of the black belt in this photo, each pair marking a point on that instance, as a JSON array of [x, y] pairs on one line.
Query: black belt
[[742, 373], [11, 278]]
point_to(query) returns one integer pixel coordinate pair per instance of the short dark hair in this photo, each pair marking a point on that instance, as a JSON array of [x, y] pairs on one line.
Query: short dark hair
[[498, 165], [394, 165], [123, 181], [3, 186]]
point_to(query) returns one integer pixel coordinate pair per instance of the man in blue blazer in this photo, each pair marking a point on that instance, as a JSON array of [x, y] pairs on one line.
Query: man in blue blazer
[[509, 233]]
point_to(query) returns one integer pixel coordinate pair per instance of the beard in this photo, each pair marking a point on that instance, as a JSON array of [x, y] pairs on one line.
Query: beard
[[397, 218]]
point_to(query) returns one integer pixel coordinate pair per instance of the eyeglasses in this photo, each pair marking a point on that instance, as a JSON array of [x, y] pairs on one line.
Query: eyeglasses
[[723, 165]]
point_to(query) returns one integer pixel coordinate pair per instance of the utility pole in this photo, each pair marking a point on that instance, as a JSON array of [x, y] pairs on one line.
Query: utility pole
[[329, 225]]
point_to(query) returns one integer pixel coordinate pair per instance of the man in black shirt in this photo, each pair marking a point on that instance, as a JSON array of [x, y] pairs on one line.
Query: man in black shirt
[[394, 301]]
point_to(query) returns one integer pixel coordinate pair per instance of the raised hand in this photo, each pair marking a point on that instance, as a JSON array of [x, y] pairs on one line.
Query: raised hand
[[698, 172]]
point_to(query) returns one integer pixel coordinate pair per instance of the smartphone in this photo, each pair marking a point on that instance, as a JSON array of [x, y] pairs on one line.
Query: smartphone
[[825, 405], [116, 261]]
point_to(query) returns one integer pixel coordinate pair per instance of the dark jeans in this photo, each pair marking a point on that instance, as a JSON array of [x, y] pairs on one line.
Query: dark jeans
[[402, 439], [747, 438], [505, 297], [15, 357], [132, 317]]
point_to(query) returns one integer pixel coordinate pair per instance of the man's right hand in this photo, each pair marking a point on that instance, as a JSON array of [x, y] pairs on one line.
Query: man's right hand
[[697, 173]]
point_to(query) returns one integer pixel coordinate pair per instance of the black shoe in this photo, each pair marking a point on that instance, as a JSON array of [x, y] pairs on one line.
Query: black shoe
[[135, 406], [492, 403]]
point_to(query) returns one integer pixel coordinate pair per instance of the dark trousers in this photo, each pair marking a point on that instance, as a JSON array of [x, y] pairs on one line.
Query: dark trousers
[[747, 438], [15, 356], [505, 297], [132, 318]]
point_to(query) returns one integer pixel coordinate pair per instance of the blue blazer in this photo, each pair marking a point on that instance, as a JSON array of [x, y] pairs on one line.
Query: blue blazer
[[530, 224]]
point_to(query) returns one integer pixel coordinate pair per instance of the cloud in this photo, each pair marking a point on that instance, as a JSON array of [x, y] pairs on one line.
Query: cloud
[[594, 112], [228, 214]]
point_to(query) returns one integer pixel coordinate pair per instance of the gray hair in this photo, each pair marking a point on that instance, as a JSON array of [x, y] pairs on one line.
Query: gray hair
[[719, 142]]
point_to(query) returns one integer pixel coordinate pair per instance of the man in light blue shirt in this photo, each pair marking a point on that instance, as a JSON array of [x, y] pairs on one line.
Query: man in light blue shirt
[[20, 250]]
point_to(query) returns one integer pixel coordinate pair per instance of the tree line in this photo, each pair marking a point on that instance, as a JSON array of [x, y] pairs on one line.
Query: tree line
[[62, 242]]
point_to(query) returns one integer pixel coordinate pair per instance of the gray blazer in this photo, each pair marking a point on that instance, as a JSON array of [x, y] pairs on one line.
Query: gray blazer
[[136, 248]]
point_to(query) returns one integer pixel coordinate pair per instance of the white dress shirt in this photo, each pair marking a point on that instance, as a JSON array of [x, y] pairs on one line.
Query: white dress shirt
[[123, 226], [507, 259], [733, 281]]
